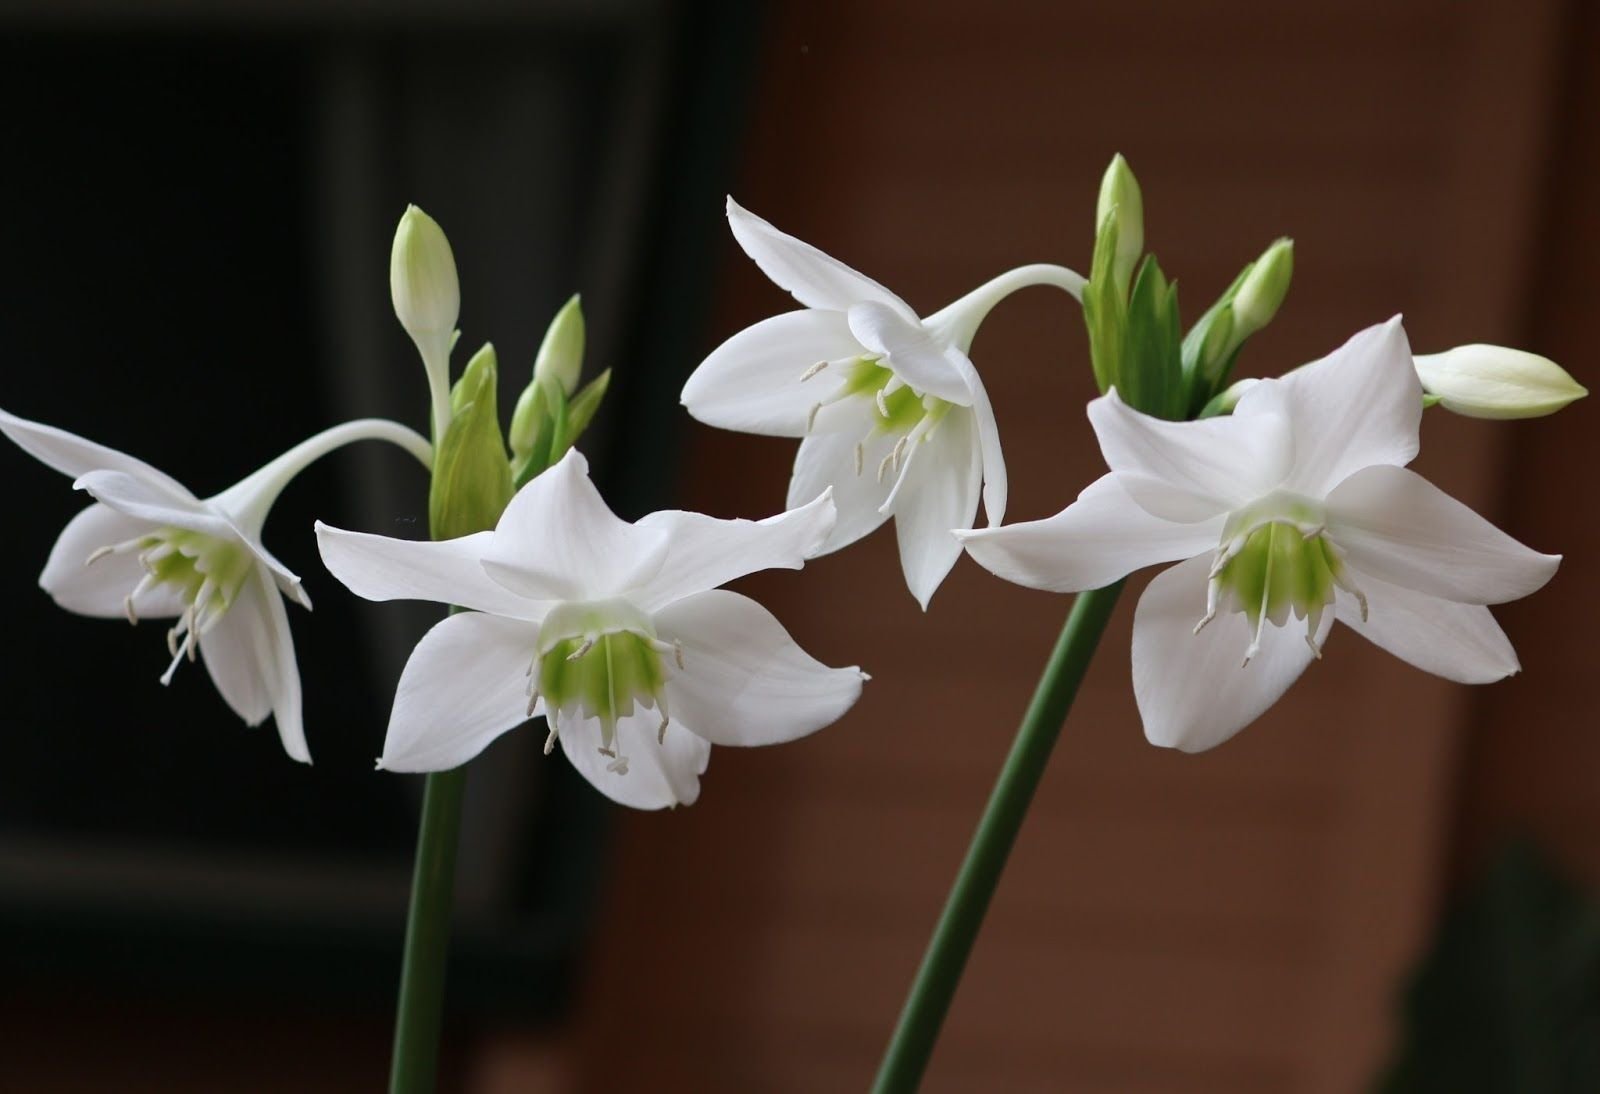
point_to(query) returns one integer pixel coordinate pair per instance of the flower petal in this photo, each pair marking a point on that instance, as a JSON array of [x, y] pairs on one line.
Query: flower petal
[[1192, 692], [99, 589], [705, 552], [829, 460], [154, 502], [1103, 536], [1396, 525], [74, 456], [1460, 642], [916, 356], [446, 571], [661, 773], [752, 382], [557, 540], [1360, 405], [249, 654], [995, 485], [1190, 471], [464, 685], [811, 277], [939, 495], [744, 680]]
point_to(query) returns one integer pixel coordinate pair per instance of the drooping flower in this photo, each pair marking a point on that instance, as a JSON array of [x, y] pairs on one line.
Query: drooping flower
[[1295, 511], [149, 549], [893, 415], [615, 632]]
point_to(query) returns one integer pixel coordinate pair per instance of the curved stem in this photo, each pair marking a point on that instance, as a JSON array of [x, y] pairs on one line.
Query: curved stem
[[961, 318], [907, 1056], [249, 500]]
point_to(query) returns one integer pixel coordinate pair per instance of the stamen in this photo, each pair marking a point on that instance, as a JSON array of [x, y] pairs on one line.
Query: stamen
[[127, 606], [861, 457], [550, 740], [98, 553], [883, 403], [577, 654], [812, 371], [677, 653], [883, 467], [899, 450], [811, 418], [114, 549]]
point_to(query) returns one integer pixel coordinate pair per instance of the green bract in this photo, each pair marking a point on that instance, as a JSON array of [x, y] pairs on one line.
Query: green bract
[[471, 477]]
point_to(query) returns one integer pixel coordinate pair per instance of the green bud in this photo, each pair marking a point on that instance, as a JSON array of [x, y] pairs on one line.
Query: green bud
[[528, 419], [560, 360], [427, 300], [1226, 400], [465, 389], [581, 410], [1121, 203], [1150, 373], [1261, 293], [471, 477], [1481, 381]]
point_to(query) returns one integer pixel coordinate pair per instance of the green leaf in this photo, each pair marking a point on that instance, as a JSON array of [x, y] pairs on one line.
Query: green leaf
[[1105, 307], [1150, 377], [471, 476], [580, 412]]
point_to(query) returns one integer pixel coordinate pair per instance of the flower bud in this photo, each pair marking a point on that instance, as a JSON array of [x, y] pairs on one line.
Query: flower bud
[[471, 476], [560, 359], [1227, 399], [1261, 293], [1481, 381], [466, 388], [1121, 200], [422, 280]]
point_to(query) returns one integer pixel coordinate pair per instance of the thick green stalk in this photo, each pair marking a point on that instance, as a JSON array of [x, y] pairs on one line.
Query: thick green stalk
[[946, 958], [414, 1067]]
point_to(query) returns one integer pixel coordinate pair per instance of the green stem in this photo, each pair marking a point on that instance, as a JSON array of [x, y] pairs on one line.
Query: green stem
[[946, 958], [414, 1068]]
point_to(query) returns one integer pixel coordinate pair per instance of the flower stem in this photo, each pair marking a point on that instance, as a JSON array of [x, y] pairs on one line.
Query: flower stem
[[946, 957], [415, 1065]]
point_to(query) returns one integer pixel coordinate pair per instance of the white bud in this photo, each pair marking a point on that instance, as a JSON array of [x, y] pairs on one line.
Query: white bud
[[1120, 197], [427, 300], [1482, 381], [560, 359], [1263, 290]]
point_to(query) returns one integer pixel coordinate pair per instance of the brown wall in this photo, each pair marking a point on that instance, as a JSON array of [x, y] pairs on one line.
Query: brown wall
[[1229, 922]]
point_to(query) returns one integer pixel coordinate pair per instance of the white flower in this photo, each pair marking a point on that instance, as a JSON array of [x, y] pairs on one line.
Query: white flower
[[616, 632], [893, 414], [1297, 504], [1495, 382], [148, 548]]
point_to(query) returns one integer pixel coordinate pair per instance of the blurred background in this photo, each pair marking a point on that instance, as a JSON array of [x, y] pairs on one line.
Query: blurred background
[[1385, 882]]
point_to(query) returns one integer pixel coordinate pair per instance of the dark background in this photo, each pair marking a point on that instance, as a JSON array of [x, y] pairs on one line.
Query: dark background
[[198, 203]]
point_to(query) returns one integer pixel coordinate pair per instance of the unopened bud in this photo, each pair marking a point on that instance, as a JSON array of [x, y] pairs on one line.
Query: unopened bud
[[1261, 293], [560, 359], [1481, 381], [427, 301], [1120, 199]]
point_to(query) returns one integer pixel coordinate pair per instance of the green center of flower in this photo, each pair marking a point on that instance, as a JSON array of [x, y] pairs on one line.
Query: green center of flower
[[205, 572], [900, 410], [600, 660], [1271, 568]]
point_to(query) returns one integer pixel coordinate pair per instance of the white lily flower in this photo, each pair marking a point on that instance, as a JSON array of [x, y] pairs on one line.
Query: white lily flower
[[1299, 505], [893, 415], [150, 549], [615, 632]]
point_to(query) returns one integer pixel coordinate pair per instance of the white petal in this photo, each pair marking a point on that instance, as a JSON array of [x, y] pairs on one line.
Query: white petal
[[464, 685], [250, 656], [445, 572], [152, 501], [1360, 405], [752, 382], [100, 589], [661, 773], [74, 456], [236, 650], [995, 484], [705, 552], [811, 277], [1190, 471], [1103, 536], [1460, 642], [557, 540], [744, 680], [939, 495], [1192, 691], [923, 361], [1399, 527], [830, 460]]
